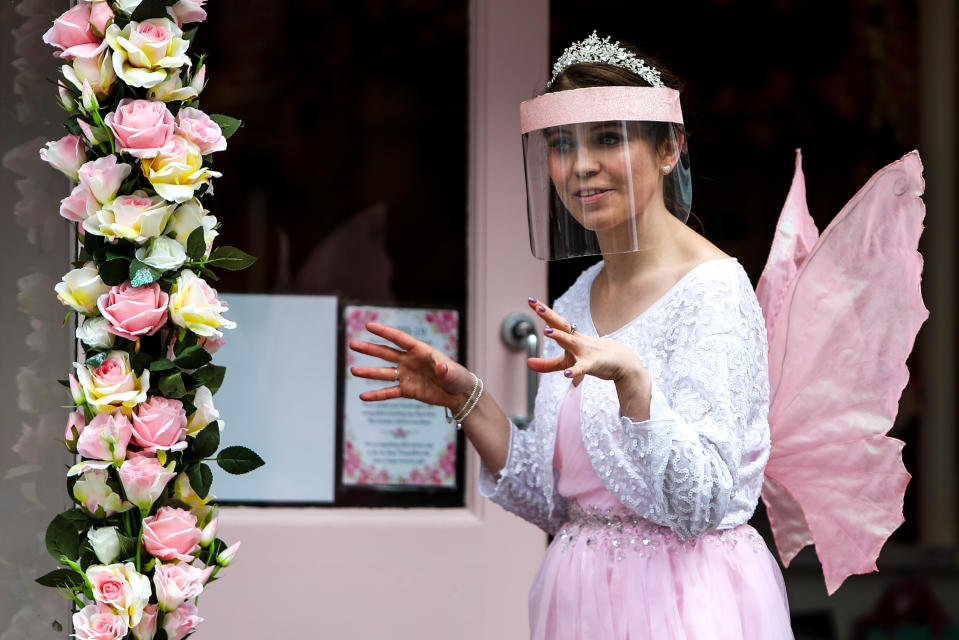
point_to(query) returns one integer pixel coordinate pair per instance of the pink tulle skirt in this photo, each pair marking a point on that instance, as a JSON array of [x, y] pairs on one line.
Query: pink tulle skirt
[[622, 578]]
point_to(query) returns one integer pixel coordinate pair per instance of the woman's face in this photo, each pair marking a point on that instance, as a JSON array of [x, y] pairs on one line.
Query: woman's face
[[606, 173]]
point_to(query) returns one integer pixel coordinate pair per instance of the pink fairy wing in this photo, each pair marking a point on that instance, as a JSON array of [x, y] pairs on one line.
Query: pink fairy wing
[[796, 234], [839, 333]]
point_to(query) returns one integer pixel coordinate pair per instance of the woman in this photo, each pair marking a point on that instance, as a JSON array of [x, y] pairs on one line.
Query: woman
[[646, 453]]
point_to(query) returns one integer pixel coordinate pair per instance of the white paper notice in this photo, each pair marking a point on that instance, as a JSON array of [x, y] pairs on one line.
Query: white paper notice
[[399, 441], [279, 397]]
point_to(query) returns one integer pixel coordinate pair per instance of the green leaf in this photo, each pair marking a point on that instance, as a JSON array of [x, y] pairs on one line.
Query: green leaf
[[62, 539], [188, 340], [230, 258], [237, 460], [140, 360], [56, 626], [201, 477], [62, 579], [228, 125], [210, 376], [97, 360], [70, 124], [172, 385], [79, 519], [128, 547], [207, 441], [114, 272], [196, 244], [149, 9], [161, 365], [193, 357], [189, 34], [160, 635], [141, 274]]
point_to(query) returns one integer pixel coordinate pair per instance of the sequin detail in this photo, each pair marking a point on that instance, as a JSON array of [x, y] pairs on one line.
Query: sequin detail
[[617, 534]]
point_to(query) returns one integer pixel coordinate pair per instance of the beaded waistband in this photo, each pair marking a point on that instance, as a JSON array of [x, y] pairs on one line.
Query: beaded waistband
[[620, 533]]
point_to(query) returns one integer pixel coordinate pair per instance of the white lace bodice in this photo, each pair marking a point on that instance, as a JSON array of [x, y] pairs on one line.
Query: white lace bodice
[[697, 463]]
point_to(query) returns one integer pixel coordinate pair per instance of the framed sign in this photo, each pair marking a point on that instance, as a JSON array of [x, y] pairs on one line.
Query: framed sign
[[396, 451]]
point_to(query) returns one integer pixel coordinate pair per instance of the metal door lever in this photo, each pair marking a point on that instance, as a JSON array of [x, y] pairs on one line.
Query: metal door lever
[[519, 332]]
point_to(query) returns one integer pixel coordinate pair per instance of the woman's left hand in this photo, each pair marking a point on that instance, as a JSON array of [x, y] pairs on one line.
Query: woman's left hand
[[584, 355]]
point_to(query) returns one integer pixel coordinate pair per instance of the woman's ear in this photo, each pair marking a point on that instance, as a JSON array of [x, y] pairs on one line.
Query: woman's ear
[[671, 148]]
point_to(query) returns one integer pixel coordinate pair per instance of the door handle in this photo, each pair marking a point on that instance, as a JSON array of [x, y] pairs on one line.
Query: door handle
[[519, 333]]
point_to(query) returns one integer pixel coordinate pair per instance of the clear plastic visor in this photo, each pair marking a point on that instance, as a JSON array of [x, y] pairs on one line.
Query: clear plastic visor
[[611, 186]]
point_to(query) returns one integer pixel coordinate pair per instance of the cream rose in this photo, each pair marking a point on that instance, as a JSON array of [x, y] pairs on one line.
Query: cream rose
[[97, 72], [93, 333], [122, 588], [177, 171], [172, 89], [187, 217], [81, 287], [144, 51], [205, 413], [106, 543], [113, 385], [137, 217], [163, 253], [194, 305], [96, 495]]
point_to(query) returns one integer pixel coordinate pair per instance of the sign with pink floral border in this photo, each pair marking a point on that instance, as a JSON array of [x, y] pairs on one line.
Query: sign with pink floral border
[[397, 442]]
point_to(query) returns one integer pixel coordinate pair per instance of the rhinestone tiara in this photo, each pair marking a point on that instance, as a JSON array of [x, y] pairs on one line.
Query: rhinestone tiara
[[593, 49]]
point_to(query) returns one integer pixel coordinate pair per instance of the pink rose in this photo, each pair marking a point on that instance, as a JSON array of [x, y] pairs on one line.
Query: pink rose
[[198, 128], [76, 420], [148, 624], [171, 535], [103, 177], [160, 423], [176, 583], [66, 154], [113, 384], [144, 479], [79, 205], [134, 312], [182, 622], [99, 622], [188, 11], [73, 34], [100, 16], [141, 127], [106, 437]]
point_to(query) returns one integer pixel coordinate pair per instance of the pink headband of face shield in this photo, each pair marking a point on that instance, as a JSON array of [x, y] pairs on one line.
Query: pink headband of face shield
[[600, 104]]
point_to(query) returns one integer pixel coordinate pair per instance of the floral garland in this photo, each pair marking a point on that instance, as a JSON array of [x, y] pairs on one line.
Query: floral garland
[[140, 543]]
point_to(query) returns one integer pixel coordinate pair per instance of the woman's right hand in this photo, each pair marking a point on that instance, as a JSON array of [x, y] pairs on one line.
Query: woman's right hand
[[420, 371]]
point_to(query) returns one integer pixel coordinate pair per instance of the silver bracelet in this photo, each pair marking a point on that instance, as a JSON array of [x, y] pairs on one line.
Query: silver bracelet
[[471, 403]]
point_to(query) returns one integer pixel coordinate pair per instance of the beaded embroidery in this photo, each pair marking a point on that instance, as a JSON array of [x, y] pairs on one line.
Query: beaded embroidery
[[618, 534]]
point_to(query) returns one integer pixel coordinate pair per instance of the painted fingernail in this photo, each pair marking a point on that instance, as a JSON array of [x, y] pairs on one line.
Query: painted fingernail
[[548, 330], [541, 308], [568, 373], [531, 299]]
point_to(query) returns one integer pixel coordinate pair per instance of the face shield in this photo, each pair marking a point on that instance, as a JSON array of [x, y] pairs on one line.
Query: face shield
[[607, 170]]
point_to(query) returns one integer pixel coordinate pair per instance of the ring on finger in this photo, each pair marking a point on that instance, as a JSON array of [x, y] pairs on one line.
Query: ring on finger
[[572, 328], [396, 374]]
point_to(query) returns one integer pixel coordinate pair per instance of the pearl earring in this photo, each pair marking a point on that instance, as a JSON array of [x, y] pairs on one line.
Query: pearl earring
[[666, 169]]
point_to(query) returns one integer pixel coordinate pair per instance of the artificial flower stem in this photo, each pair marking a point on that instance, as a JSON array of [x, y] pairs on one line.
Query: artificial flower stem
[[139, 544]]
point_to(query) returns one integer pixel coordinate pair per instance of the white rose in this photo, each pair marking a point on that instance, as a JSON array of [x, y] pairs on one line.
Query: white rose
[[205, 413], [105, 542], [96, 495], [143, 52], [127, 6], [93, 333], [163, 253], [81, 287]]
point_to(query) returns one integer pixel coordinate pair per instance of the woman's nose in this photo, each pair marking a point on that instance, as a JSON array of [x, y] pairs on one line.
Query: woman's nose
[[585, 164]]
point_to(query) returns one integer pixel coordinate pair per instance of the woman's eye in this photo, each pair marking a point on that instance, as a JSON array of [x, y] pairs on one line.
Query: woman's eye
[[560, 144], [609, 138]]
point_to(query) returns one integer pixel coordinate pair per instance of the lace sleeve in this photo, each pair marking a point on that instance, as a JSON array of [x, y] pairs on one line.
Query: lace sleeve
[[709, 398], [518, 489]]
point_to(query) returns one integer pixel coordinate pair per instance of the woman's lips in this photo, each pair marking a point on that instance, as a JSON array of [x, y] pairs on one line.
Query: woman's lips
[[591, 196]]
